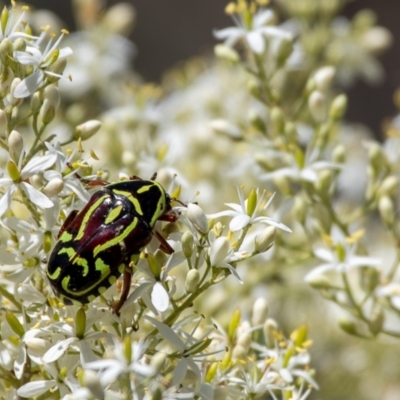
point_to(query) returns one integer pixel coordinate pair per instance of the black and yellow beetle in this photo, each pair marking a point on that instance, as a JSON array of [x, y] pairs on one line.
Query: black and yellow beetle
[[97, 244]]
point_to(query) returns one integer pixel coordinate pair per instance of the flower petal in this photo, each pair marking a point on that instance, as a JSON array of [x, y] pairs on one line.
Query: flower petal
[[167, 333], [56, 351], [239, 222], [159, 297], [38, 164], [29, 85], [36, 388], [256, 41], [5, 201], [36, 197]]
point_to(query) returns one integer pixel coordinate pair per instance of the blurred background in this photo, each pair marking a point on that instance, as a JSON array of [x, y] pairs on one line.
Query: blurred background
[[168, 32]]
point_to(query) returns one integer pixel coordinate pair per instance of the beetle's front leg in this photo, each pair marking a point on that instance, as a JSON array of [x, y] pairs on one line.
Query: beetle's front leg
[[127, 279]]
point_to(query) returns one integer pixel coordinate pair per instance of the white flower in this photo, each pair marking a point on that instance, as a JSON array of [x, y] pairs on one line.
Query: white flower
[[255, 34], [341, 256], [14, 25], [34, 166], [41, 61], [240, 216]]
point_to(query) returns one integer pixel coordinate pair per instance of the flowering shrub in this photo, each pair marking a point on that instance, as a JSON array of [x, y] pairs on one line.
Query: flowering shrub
[[263, 126]]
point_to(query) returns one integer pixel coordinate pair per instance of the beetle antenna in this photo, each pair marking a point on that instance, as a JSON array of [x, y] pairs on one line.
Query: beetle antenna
[[178, 201]]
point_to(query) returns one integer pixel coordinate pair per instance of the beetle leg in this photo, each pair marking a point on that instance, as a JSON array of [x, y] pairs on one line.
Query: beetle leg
[[164, 245], [125, 290], [67, 222], [154, 176], [170, 216]]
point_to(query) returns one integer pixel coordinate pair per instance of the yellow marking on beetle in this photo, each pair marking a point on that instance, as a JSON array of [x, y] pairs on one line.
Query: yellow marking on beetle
[[55, 274], [121, 268], [65, 283], [132, 199], [69, 251], [101, 247], [102, 289], [144, 189], [83, 263], [112, 280], [65, 237], [88, 215], [160, 205], [103, 268], [113, 214]]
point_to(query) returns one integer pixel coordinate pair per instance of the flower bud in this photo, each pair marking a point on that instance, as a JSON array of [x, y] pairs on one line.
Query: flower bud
[[87, 129], [15, 145], [4, 18], [239, 352], [192, 281], [14, 323], [376, 322], [283, 50], [338, 107], [270, 327], [319, 282], [187, 244], [36, 102], [223, 127], [265, 239], [339, 154], [53, 187], [19, 44], [226, 53], [15, 101], [6, 78], [6, 51], [80, 323], [277, 120], [323, 183], [158, 361], [51, 103], [388, 186], [386, 210], [91, 381], [218, 251], [348, 326], [119, 19], [260, 312], [57, 68], [197, 218], [376, 156], [36, 346], [244, 340], [376, 40], [323, 78], [317, 105]]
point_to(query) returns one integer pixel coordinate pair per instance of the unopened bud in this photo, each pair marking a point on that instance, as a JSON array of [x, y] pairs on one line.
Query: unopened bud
[[6, 51], [323, 78], [19, 44], [317, 105], [119, 19], [36, 102], [265, 239], [223, 127], [376, 40], [283, 50], [386, 210], [319, 282], [15, 101], [36, 346], [57, 68], [338, 107], [15, 145], [158, 361], [323, 182], [197, 218], [80, 323], [244, 340], [388, 186], [91, 381], [87, 129], [51, 103], [377, 320], [187, 244], [339, 154], [260, 312], [348, 326], [53, 187], [226, 53], [269, 328], [192, 281], [277, 119], [6, 78], [219, 251], [239, 352], [377, 157]]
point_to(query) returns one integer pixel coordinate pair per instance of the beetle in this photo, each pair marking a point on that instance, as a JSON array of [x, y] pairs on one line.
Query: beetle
[[103, 240]]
